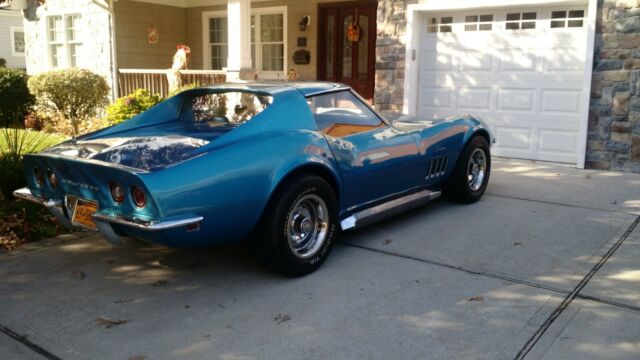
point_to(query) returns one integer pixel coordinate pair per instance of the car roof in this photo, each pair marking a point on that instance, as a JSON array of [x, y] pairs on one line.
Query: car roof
[[307, 88]]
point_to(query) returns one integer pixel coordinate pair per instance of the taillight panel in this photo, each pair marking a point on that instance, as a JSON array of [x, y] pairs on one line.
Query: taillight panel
[[138, 196]]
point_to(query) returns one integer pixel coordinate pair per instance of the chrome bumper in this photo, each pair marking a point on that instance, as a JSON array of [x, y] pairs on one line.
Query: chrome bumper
[[103, 220]]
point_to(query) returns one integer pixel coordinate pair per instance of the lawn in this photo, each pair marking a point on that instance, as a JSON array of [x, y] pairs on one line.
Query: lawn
[[39, 140]]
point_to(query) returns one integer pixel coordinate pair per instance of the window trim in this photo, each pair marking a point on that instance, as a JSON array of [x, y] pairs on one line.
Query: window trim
[[13, 30], [65, 38], [272, 10]]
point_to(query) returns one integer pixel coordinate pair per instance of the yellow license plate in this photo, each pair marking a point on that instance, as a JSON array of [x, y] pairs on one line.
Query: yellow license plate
[[83, 214]]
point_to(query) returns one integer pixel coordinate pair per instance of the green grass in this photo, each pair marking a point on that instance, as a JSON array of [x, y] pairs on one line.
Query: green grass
[[47, 140]]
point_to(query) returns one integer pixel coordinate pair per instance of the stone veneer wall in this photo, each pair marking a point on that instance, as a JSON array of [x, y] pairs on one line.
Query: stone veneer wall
[[95, 53], [390, 56], [614, 116]]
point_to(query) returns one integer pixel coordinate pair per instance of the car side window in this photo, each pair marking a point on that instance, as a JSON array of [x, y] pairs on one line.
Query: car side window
[[227, 108], [341, 114]]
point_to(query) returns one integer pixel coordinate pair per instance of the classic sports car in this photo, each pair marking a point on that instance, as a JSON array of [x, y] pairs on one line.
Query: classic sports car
[[284, 165]]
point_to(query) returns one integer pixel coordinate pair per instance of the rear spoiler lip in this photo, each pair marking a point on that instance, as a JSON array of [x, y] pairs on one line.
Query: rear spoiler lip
[[91, 161]]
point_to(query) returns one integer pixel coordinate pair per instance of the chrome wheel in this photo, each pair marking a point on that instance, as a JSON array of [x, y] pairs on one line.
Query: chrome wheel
[[307, 226], [476, 169]]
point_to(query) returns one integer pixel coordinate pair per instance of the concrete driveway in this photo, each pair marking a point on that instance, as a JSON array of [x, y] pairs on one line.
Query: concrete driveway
[[545, 266]]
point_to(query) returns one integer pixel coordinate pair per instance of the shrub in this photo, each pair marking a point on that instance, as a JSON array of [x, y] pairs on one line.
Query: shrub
[[15, 99], [76, 94], [131, 105], [14, 144]]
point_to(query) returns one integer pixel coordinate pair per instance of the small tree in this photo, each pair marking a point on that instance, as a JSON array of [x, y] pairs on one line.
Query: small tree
[[15, 99], [131, 105], [75, 94]]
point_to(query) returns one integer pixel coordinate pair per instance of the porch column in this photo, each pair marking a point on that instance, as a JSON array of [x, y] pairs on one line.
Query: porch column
[[239, 61]]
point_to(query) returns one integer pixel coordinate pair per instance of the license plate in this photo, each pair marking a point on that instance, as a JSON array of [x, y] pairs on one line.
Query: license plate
[[83, 214]]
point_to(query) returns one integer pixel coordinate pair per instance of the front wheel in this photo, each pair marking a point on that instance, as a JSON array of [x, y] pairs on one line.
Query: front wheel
[[298, 227], [471, 174]]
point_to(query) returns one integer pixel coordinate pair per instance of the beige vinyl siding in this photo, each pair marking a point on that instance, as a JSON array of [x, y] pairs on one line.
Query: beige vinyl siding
[[7, 21], [132, 21]]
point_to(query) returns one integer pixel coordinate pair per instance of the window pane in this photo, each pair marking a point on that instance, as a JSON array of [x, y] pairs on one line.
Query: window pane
[[486, 18], [513, 16], [513, 26], [471, 18], [446, 28], [228, 109], [272, 57], [471, 27], [73, 27], [558, 14], [219, 54], [485, 27], [446, 20], [526, 25], [55, 29], [574, 23], [218, 30], [576, 13], [56, 55], [346, 50], [329, 61], [342, 114], [18, 42], [557, 24], [74, 50], [529, 16], [271, 28], [363, 48]]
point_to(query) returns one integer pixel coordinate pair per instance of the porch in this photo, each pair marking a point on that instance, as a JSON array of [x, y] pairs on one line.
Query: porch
[[245, 40]]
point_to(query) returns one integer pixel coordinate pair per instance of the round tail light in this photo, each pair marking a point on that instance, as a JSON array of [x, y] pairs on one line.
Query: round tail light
[[53, 179], [39, 175], [117, 192], [139, 197]]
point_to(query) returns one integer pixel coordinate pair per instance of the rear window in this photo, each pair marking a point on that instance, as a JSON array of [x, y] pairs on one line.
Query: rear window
[[228, 108]]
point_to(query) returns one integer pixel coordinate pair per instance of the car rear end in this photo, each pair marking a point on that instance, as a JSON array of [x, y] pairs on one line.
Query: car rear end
[[96, 195]]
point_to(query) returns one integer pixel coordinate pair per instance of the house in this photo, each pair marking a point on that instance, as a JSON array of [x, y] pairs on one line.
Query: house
[[11, 39], [557, 80]]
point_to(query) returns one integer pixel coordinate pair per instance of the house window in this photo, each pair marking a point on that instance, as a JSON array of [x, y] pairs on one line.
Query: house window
[[571, 18], [17, 41], [63, 34], [268, 41], [441, 24], [521, 21], [218, 42], [478, 22]]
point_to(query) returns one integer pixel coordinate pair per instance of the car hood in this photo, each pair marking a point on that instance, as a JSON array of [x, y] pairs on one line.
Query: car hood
[[144, 149]]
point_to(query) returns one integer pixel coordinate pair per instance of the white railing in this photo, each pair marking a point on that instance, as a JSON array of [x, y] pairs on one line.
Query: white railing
[[155, 80]]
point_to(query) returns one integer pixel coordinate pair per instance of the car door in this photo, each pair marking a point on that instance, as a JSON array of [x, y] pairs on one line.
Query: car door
[[375, 160]]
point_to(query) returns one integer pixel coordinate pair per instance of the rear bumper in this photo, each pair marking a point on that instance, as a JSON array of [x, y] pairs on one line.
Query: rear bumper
[[103, 220]]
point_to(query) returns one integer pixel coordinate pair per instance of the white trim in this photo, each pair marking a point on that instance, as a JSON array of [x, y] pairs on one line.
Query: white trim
[[414, 23], [190, 3], [7, 12], [13, 30], [206, 51]]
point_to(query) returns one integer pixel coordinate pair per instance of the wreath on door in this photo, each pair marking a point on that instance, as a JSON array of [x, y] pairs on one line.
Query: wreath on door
[[353, 31]]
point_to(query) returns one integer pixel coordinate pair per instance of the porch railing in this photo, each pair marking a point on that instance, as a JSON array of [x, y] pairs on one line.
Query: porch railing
[[155, 80]]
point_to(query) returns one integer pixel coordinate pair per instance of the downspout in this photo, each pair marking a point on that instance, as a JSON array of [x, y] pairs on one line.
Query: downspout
[[114, 60]]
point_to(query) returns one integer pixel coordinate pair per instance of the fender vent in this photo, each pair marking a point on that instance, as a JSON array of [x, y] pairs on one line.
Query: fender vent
[[437, 167]]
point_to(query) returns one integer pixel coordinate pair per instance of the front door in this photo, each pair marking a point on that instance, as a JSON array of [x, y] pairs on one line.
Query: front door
[[346, 45]]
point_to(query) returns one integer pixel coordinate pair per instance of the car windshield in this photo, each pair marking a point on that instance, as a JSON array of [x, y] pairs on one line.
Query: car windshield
[[227, 108]]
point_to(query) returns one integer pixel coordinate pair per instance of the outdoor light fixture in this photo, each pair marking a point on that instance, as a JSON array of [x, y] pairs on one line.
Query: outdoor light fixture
[[306, 21]]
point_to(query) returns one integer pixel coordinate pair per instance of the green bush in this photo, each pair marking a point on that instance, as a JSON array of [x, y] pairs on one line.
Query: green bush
[[131, 105], [15, 99], [75, 94], [14, 144]]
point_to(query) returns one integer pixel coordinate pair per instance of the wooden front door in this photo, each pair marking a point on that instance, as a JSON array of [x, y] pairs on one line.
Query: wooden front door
[[341, 59]]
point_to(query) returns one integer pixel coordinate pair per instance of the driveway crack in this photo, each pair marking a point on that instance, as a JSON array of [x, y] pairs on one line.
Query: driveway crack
[[533, 340], [26, 342]]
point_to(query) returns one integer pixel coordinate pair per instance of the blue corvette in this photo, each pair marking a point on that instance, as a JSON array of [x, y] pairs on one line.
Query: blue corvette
[[284, 165]]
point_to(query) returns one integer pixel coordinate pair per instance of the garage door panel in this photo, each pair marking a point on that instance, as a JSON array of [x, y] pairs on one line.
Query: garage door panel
[[474, 60], [518, 60], [436, 97], [514, 138], [554, 141], [554, 101], [513, 99], [477, 98]]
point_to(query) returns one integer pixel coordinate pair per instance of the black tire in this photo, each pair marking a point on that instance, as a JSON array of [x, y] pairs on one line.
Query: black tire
[[458, 187], [270, 241]]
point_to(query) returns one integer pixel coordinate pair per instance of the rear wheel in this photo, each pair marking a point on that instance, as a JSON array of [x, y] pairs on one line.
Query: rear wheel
[[298, 227], [471, 174]]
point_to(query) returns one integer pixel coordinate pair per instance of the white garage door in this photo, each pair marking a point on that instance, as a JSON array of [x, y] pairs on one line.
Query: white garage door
[[520, 69]]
